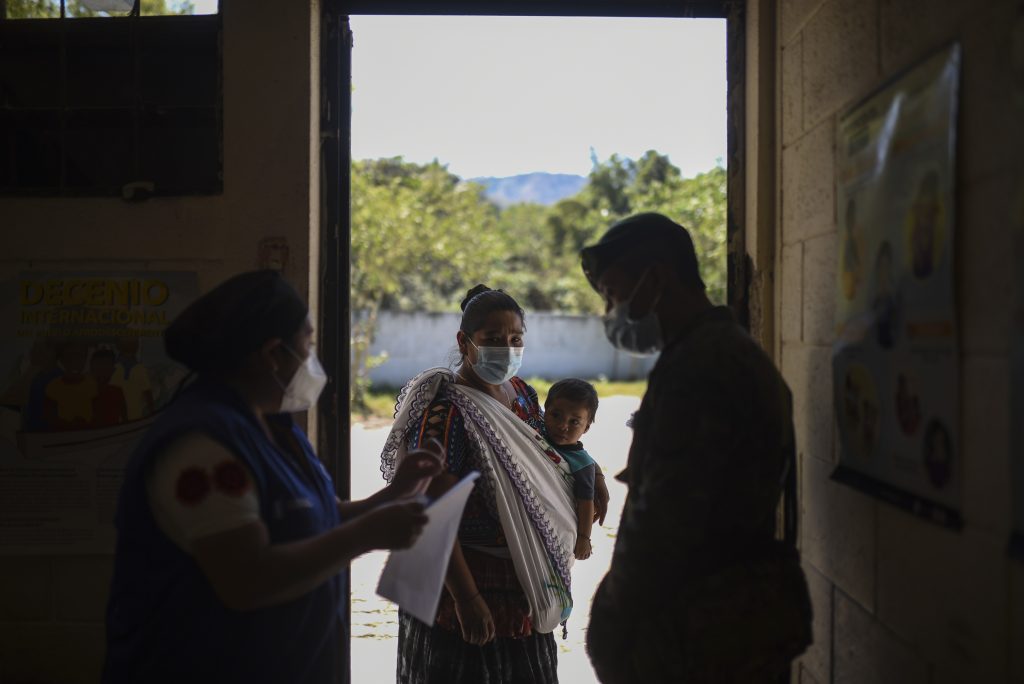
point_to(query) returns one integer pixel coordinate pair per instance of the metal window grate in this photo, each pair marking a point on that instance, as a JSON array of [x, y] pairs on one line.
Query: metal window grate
[[111, 106]]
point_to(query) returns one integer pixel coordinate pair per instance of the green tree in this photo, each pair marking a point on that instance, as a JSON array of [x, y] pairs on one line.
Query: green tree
[[39, 9], [608, 185], [699, 204], [542, 265], [653, 169], [420, 239]]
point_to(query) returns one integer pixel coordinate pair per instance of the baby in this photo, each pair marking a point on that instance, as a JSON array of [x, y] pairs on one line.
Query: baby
[[569, 412]]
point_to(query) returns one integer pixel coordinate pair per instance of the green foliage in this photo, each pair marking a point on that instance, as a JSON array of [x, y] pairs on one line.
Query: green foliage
[[37, 9], [421, 238], [543, 243], [32, 9], [699, 203]]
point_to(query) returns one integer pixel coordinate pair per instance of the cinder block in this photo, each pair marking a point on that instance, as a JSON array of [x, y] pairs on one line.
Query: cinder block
[[792, 294], [64, 654], [81, 587], [805, 677], [819, 285], [792, 91], [840, 60], [817, 660], [808, 185], [837, 533], [795, 14], [985, 263], [808, 372], [867, 652], [991, 138], [26, 588], [946, 592], [985, 458], [913, 28]]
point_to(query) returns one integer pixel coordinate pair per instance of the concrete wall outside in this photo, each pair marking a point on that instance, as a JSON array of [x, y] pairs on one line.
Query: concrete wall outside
[[557, 346], [52, 607], [898, 599]]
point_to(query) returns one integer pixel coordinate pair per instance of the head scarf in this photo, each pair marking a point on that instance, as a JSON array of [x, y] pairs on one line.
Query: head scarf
[[220, 329]]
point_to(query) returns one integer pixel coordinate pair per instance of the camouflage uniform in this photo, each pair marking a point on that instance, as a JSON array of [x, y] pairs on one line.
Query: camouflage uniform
[[699, 590]]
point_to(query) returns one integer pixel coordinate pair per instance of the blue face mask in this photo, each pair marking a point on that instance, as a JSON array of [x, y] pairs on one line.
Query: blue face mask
[[495, 365], [641, 336]]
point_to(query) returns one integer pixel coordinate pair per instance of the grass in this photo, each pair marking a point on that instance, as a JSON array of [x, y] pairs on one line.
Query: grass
[[381, 400]]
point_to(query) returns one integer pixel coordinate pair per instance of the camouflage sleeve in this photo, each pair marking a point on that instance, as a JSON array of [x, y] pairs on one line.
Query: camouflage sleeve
[[677, 502]]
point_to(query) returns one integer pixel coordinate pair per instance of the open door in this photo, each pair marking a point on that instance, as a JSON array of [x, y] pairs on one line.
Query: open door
[[333, 325], [335, 160]]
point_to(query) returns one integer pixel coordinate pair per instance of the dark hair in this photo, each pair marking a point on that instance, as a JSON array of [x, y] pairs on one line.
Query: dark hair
[[103, 353], [482, 301], [574, 390], [216, 333]]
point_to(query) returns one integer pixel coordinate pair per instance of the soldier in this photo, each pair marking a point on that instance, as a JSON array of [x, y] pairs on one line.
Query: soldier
[[699, 589]]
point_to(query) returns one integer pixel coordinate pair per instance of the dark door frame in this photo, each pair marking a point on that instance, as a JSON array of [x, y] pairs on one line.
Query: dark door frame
[[335, 160]]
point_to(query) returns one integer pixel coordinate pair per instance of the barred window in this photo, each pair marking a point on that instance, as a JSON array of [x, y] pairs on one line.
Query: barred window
[[110, 97]]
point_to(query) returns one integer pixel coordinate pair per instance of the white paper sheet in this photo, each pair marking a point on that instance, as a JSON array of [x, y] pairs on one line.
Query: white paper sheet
[[413, 577]]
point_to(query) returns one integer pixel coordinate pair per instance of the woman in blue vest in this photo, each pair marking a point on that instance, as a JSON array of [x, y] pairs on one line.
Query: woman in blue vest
[[231, 543]]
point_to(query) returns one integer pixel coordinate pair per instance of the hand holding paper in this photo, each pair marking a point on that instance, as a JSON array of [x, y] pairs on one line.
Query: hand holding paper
[[414, 473], [396, 525], [413, 578]]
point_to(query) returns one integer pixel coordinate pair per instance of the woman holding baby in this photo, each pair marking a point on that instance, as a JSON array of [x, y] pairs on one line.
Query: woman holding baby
[[508, 583]]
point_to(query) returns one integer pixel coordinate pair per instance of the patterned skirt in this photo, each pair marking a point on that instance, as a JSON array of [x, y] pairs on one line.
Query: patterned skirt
[[434, 655]]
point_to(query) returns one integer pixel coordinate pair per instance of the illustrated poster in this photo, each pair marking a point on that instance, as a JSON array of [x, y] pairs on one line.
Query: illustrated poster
[[895, 361], [82, 371]]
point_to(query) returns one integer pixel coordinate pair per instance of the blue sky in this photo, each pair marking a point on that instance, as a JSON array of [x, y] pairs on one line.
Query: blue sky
[[499, 96]]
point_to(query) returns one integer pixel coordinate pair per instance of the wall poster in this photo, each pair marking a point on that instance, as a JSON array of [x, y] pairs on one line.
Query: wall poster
[[82, 370], [895, 360]]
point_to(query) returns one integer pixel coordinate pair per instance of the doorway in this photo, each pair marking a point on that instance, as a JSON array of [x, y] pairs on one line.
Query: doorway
[[373, 646]]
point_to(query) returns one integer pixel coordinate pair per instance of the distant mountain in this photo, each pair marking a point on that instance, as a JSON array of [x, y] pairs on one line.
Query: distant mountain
[[539, 188]]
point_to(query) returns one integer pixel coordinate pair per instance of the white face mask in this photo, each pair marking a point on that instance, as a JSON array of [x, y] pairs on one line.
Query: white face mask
[[302, 391], [495, 365], [641, 336]]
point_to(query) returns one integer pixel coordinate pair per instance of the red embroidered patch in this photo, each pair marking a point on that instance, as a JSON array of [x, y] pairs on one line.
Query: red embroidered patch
[[231, 478], [193, 486], [555, 458]]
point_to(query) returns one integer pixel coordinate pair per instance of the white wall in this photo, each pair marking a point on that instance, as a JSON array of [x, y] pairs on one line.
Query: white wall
[[557, 346]]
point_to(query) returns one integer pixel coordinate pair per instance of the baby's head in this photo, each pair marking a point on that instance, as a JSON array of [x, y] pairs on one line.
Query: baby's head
[[569, 410]]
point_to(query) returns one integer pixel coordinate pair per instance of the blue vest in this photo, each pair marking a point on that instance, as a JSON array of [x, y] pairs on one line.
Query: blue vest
[[164, 622]]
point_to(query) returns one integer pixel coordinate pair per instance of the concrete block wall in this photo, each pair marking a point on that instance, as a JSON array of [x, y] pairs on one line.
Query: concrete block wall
[[52, 607], [898, 599]]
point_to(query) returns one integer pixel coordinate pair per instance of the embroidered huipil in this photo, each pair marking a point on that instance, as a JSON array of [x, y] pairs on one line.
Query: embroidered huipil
[[480, 531]]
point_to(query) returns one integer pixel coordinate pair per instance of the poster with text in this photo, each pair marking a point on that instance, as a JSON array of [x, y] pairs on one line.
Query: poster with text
[[894, 363], [82, 372]]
